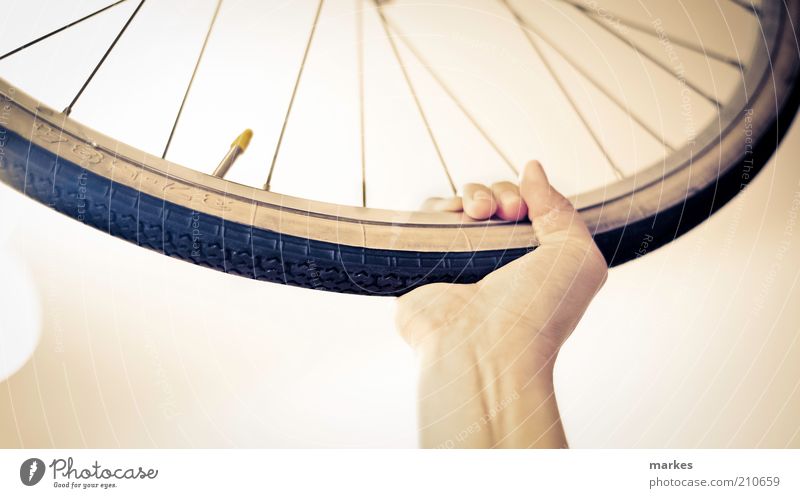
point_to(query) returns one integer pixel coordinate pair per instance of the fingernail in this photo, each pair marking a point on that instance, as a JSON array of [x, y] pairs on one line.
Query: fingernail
[[481, 195]]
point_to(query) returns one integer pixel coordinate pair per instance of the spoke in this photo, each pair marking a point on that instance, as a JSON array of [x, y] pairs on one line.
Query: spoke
[[191, 80], [294, 94], [59, 30], [360, 57], [410, 84], [597, 84], [649, 30], [535, 46], [450, 93], [748, 6], [664, 67], [68, 110]]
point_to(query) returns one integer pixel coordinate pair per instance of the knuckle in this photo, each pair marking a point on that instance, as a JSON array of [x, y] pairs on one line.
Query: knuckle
[[560, 203]]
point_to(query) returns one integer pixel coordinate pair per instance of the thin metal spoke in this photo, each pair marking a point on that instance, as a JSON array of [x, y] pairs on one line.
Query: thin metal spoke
[[535, 45], [360, 58], [450, 93], [649, 30], [597, 84], [663, 66], [191, 80], [68, 110], [410, 84], [294, 94], [59, 30], [748, 6]]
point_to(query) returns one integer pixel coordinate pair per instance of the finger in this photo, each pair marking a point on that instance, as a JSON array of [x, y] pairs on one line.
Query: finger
[[566, 257], [479, 202], [552, 215], [451, 204], [510, 205]]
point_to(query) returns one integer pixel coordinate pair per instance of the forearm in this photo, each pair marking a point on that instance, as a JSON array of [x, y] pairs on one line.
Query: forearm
[[467, 404], [488, 348]]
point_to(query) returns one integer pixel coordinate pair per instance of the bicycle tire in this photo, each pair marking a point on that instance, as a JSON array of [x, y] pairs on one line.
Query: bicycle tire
[[35, 166]]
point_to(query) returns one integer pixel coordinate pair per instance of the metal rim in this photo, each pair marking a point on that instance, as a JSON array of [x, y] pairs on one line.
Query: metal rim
[[604, 209]]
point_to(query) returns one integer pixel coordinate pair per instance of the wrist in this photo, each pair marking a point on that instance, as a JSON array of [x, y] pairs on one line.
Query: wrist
[[526, 415]]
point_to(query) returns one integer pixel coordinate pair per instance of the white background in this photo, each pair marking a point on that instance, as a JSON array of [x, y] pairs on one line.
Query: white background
[[693, 345]]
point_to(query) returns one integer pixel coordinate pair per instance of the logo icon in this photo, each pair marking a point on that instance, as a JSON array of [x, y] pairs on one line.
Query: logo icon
[[31, 471]]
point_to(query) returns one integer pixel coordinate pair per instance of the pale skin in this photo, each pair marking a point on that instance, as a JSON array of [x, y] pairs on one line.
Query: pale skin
[[487, 350]]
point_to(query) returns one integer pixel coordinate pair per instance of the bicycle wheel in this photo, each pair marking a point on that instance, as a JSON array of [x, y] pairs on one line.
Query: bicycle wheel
[[258, 233]]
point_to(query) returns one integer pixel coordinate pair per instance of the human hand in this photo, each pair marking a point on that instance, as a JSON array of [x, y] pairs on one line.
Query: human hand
[[487, 350]]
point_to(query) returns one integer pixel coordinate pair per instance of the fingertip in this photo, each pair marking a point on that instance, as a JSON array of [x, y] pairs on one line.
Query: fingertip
[[439, 204], [534, 188], [550, 212], [479, 203], [511, 207], [430, 204], [450, 205], [533, 174], [479, 209]]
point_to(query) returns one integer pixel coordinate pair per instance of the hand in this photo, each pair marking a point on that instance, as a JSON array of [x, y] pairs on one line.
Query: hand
[[487, 350]]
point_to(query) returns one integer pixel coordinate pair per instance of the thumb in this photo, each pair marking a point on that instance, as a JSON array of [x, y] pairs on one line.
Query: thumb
[[567, 265], [554, 218]]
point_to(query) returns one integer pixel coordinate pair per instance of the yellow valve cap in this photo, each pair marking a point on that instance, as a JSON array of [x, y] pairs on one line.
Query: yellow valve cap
[[243, 140]]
